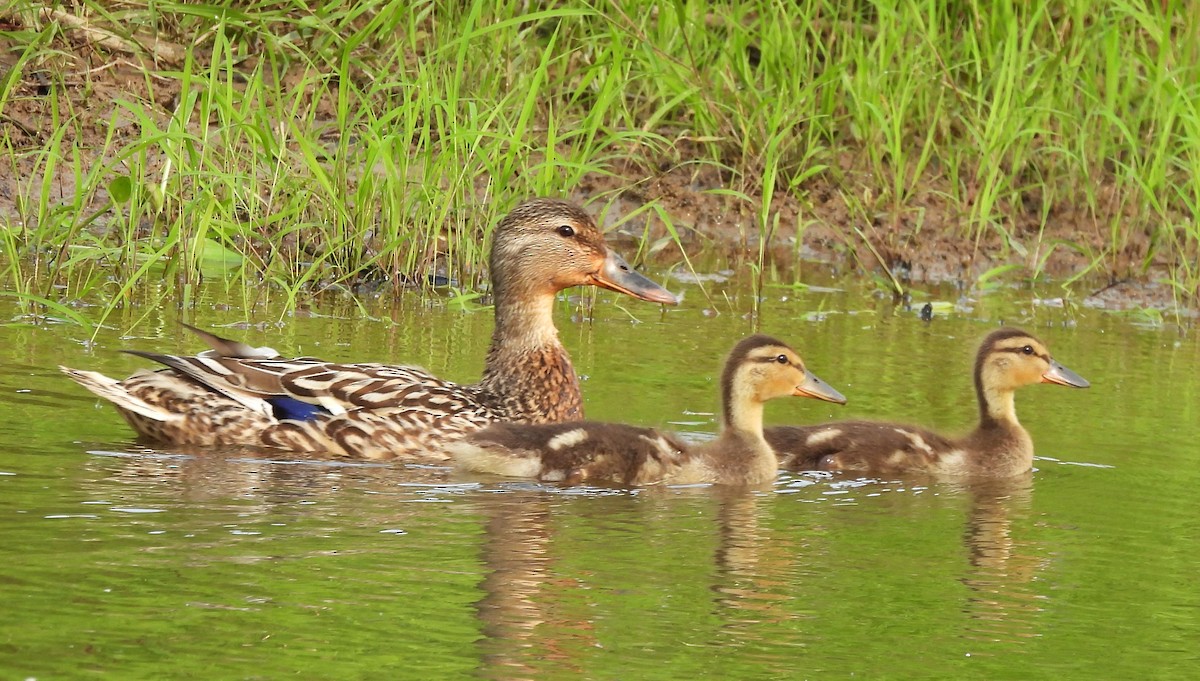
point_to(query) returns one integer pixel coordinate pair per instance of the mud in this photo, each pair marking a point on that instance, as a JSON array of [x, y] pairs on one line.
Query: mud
[[926, 239]]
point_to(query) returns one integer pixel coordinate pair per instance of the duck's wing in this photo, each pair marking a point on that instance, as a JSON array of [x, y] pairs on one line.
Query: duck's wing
[[866, 447], [242, 372], [333, 387], [170, 406], [235, 394]]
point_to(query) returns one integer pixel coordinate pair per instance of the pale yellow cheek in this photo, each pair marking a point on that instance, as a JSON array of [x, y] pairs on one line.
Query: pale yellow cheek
[[1031, 374], [786, 384], [994, 374]]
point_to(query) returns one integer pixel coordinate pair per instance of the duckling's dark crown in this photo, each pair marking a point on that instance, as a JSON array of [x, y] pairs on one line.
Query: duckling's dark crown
[[991, 344], [1005, 333], [741, 352], [750, 344]]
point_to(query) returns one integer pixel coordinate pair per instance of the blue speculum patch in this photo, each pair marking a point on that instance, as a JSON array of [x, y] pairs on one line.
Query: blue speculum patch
[[288, 408]]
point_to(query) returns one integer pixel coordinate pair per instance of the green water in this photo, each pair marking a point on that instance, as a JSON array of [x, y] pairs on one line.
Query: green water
[[132, 563]]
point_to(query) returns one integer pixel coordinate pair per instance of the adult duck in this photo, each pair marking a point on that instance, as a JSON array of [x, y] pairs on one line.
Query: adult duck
[[234, 394], [998, 447], [758, 369]]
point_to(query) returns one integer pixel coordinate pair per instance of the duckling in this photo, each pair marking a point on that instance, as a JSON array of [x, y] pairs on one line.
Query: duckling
[[998, 447], [759, 368], [235, 394]]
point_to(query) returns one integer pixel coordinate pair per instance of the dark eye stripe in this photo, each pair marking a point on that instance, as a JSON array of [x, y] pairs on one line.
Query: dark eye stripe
[[1021, 351], [774, 359]]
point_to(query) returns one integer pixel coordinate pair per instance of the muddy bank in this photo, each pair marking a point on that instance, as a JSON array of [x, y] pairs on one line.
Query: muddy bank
[[926, 242], [838, 216]]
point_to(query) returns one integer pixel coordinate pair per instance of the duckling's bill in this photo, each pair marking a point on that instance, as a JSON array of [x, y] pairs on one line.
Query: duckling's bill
[[816, 388], [616, 275], [1061, 375]]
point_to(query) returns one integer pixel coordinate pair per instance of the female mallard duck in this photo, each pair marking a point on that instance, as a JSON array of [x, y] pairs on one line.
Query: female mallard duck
[[758, 369], [1008, 359], [238, 395]]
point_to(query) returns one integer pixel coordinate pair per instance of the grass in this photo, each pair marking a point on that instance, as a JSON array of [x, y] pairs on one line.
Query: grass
[[316, 145]]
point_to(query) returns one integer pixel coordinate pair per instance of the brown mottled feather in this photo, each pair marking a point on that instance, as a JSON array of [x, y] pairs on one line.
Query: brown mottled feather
[[999, 445], [223, 396]]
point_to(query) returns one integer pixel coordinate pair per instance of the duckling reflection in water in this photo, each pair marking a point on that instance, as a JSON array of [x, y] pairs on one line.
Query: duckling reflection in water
[[758, 369], [998, 447], [1003, 565]]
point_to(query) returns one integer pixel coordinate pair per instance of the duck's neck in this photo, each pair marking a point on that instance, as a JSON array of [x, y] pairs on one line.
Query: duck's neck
[[996, 407], [745, 417], [1001, 443], [744, 451], [528, 374]]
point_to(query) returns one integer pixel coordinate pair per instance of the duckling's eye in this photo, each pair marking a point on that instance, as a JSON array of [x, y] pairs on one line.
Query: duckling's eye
[[566, 231], [782, 359], [1028, 349]]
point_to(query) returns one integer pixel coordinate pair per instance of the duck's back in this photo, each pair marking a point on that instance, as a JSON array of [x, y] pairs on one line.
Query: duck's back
[[573, 453], [862, 447], [370, 411]]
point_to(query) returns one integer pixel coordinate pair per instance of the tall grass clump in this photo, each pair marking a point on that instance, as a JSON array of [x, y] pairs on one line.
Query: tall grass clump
[[342, 144]]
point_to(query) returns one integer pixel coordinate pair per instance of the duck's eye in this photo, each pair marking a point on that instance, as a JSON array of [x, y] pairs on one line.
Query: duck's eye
[[566, 231], [782, 359], [1028, 349]]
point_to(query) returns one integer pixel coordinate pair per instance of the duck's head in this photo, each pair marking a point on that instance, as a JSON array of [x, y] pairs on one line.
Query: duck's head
[[1011, 358], [760, 368], [546, 245]]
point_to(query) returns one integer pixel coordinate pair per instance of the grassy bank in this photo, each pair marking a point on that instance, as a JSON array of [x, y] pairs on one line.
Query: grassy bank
[[334, 143]]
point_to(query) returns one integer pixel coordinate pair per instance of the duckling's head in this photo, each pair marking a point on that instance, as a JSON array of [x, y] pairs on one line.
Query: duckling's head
[[760, 368], [1010, 358], [546, 245]]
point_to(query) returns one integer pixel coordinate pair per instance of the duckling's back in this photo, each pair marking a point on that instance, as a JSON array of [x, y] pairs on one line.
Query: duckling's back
[[573, 453], [862, 447]]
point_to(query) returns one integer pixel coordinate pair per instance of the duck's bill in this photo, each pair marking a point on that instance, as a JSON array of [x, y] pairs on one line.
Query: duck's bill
[[1063, 376], [816, 388], [617, 275]]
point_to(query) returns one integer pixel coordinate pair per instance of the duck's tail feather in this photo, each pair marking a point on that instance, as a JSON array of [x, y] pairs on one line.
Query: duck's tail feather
[[112, 390], [224, 347], [210, 373]]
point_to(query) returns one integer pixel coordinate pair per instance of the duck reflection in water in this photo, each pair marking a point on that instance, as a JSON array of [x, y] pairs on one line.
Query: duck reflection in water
[[526, 611], [570, 576], [754, 565], [549, 598], [202, 474]]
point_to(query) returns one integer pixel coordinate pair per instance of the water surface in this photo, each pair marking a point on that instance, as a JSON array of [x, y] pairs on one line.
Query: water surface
[[132, 562]]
